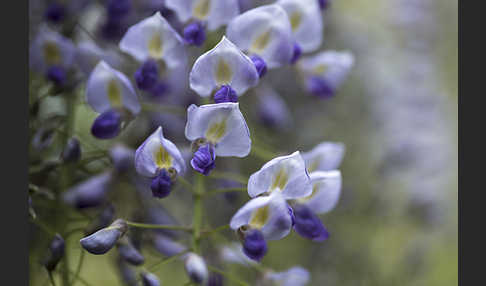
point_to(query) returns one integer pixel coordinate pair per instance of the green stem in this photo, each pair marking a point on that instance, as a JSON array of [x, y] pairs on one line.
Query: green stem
[[261, 153], [229, 176], [78, 269], [221, 191], [227, 275], [84, 282], [165, 261], [159, 226], [51, 278], [214, 231], [185, 183], [197, 219]]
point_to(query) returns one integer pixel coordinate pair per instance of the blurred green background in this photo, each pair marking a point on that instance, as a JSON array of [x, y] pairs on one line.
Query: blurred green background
[[396, 222]]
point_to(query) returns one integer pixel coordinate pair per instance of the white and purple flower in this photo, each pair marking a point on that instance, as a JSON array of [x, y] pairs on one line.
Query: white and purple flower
[[326, 156], [295, 276]]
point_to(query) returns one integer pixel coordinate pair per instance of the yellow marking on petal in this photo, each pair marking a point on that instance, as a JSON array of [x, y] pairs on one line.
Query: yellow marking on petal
[[155, 46], [320, 69], [216, 131], [315, 163], [201, 10], [52, 55], [260, 217], [315, 189], [295, 20], [260, 42], [163, 160], [280, 180], [224, 74], [114, 93]]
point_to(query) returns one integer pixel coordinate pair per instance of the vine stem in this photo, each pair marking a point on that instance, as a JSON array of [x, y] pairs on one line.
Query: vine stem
[[221, 191], [159, 226], [197, 219], [229, 176], [227, 275]]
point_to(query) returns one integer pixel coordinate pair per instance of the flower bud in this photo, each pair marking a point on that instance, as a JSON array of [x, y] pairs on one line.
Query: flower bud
[[122, 157], [149, 279], [196, 268], [147, 75], [107, 125], [103, 240], [203, 160], [297, 53], [323, 4], [161, 185], [103, 220], [308, 224], [129, 253], [90, 193], [118, 8], [225, 94], [319, 87], [194, 34], [166, 245], [55, 12], [56, 252], [72, 151], [57, 75], [254, 244], [260, 65]]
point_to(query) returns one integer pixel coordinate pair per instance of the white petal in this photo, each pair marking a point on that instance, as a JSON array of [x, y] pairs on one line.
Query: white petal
[[295, 276], [326, 191], [50, 48], [233, 253], [182, 8], [265, 31], [108, 88], [223, 64], [324, 157], [145, 156], [154, 38], [286, 175], [333, 66], [221, 12], [223, 125], [244, 214], [306, 22]]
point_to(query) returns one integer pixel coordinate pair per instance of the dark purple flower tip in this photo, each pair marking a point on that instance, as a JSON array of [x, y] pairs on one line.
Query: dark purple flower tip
[[254, 244], [72, 151], [112, 29], [323, 4], [308, 224], [260, 65], [149, 279], [130, 254], [161, 185], [320, 87], [297, 53], [292, 215], [160, 89], [194, 34], [103, 240], [55, 253], [147, 75], [57, 75], [117, 9], [107, 125], [55, 12], [225, 94], [203, 160]]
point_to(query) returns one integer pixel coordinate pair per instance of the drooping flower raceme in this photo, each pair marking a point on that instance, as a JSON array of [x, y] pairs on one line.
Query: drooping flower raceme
[[262, 218], [286, 175], [306, 23], [109, 92], [154, 43], [159, 159], [52, 55], [324, 73], [224, 68], [216, 130], [295, 276], [325, 156], [265, 34], [210, 13]]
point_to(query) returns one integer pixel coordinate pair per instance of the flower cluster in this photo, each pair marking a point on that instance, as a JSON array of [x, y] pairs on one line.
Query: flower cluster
[[241, 46]]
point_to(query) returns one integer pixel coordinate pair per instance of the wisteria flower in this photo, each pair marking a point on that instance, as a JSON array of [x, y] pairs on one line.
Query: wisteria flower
[[324, 157], [224, 68], [154, 38], [109, 92], [285, 175], [295, 276], [89, 193], [88, 55], [272, 109], [52, 55], [326, 189], [265, 34], [260, 219], [306, 23], [324, 73], [159, 159], [307, 224], [210, 13], [216, 130]]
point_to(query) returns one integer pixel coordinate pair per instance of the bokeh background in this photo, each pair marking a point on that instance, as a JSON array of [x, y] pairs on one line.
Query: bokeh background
[[396, 221]]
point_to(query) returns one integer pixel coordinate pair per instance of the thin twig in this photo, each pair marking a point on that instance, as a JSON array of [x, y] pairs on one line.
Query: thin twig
[[159, 226]]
